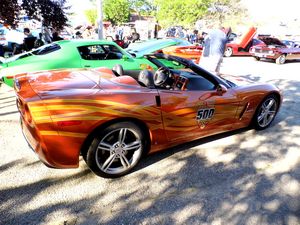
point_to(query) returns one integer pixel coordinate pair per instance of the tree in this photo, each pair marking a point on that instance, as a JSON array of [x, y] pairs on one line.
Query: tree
[[91, 15], [9, 11], [116, 11], [178, 12], [227, 12], [142, 7], [50, 12], [186, 13]]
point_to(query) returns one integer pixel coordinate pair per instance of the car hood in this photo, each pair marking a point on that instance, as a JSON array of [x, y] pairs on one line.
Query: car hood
[[272, 41], [148, 47], [238, 80], [63, 80], [71, 81]]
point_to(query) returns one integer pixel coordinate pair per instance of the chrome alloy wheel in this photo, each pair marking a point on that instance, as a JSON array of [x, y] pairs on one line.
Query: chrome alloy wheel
[[267, 112], [118, 151], [228, 52], [281, 59]]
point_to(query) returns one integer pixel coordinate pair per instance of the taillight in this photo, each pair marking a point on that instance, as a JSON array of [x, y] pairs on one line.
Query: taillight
[[17, 85], [20, 106], [24, 110], [27, 114], [10, 77]]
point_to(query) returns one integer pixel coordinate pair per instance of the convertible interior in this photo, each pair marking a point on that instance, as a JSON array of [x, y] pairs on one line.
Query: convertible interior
[[165, 78]]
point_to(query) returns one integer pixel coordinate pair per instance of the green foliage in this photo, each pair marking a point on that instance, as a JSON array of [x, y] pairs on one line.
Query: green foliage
[[227, 12], [178, 12], [9, 11], [142, 7], [116, 11], [91, 15], [51, 12]]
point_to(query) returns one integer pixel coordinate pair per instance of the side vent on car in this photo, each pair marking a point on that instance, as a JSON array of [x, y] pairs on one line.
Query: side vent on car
[[244, 110], [158, 102]]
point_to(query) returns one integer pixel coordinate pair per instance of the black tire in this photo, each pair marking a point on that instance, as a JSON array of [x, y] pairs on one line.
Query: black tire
[[116, 150], [265, 112], [256, 58], [228, 52], [281, 59]]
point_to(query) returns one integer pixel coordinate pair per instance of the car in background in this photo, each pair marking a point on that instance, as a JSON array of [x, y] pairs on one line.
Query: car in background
[[139, 49], [171, 46], [241, 46], [291, 44], [113, 121], [192, 52], [11, 39], [3, 32], [276, 50], [70, 54]]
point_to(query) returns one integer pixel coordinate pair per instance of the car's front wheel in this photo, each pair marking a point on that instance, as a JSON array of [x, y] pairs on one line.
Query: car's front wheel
[[281, 59], [266, 112], [228, 52], [116, 149], [256, 58]]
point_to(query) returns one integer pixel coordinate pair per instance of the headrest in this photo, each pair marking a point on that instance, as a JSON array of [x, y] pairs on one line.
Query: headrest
[[146, 79], [118, 70]]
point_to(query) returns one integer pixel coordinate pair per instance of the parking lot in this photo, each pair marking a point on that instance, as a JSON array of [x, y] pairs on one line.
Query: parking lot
[[241, 177]]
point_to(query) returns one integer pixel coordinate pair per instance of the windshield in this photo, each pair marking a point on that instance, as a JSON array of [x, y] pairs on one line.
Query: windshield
[[154, 45], [186, 66], [16, 57], [46, 49]]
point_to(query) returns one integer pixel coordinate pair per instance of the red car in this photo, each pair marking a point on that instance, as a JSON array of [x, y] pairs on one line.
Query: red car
[[243, 46], [276, 50], [113, 120]]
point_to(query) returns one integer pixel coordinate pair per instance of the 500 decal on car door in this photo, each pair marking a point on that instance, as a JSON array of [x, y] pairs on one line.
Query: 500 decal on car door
[[203, 115]]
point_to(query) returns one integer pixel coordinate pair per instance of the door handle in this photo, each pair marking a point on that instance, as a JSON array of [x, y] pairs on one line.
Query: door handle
[[87, 65]]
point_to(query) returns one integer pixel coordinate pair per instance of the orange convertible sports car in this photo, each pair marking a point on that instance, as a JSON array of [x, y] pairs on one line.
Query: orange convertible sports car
[[112, 118]]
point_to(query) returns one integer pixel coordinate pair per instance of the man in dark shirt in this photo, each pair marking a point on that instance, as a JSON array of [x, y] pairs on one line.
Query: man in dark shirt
[[28, 40]]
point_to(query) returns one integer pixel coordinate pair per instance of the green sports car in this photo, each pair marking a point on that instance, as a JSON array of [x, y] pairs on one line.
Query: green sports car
[[71, 54]]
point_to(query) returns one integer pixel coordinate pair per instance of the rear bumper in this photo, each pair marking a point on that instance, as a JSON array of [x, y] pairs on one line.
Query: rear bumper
[[265, 55], [58, 155], [33, 141]]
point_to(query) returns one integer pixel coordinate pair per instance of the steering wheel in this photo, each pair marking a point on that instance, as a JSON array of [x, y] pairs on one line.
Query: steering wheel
[[161, 76]]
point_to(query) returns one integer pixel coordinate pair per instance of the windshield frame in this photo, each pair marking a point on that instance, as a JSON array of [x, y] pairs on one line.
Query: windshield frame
[[216, 80]]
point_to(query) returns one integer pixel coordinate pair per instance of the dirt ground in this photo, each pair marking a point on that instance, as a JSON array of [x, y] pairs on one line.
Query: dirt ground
[[243, 177]]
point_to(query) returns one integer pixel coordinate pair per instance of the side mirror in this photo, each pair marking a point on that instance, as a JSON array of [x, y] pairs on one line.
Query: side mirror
[[221, 89], [125, 57]]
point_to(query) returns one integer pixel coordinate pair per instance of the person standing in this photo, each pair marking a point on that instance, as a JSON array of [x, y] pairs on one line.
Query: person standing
[[29, 40], [214, 48]]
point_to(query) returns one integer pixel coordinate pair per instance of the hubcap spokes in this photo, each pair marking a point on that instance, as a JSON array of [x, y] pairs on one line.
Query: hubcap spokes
[[267, 112], [118, 151]]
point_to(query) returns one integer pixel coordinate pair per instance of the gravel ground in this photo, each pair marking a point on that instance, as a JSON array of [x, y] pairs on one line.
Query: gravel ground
[[243, 177]]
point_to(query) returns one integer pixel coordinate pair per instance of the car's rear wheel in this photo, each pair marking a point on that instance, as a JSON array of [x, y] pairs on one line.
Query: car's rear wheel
[[266, 112], [281, 59], [228, 52], [116, 150], [256, 58]]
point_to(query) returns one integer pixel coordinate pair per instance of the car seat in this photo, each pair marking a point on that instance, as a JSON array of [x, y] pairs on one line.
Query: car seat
[[145, 79], [118, 70]]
